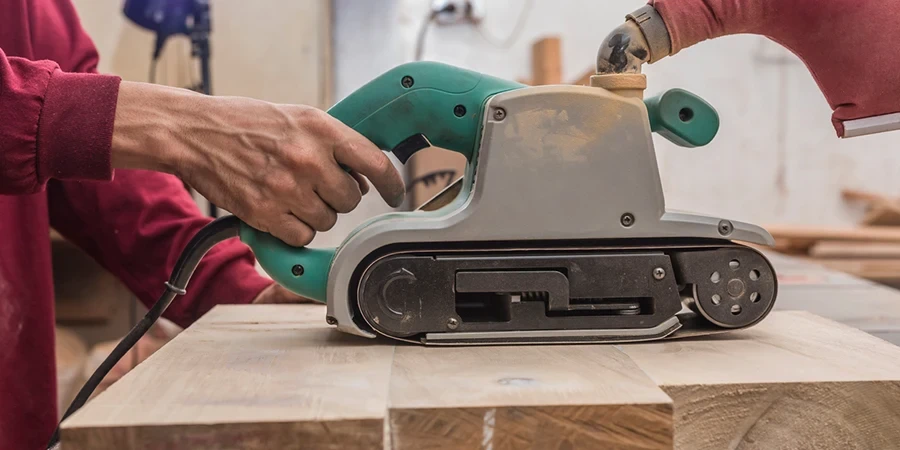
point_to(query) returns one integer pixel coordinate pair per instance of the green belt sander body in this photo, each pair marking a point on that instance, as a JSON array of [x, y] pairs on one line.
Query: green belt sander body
[[558, 231]]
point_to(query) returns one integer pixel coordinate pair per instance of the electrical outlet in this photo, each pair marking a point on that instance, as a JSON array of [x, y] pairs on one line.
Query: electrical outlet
[[448, 12]]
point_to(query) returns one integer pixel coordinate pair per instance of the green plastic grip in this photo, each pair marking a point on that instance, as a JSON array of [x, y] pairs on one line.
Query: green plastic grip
[[442, 102], [301, 270], [683, 118]]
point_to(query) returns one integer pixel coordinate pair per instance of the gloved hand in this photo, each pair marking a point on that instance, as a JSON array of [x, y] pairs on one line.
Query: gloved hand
[[849, 46]]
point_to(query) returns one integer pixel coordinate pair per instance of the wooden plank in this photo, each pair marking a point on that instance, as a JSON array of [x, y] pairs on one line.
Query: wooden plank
[[246, 377], [882, 215], [525, 397], [795, 381], [880, 234], [855, 250], [856, 195], [801, 238], [882, 210], [546, 61]]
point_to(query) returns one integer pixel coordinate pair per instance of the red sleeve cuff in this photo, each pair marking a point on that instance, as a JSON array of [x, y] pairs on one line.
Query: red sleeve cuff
[[75, 129]]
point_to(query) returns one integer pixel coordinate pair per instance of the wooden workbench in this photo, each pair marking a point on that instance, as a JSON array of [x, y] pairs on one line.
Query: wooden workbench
[[275, 376]]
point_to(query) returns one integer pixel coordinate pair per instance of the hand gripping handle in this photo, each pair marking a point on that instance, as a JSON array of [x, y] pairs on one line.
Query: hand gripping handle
[[403, 111]]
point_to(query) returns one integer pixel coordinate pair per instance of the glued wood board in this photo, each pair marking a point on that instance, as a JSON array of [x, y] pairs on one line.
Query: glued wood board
[[525, 397], [274, 376], [246, 377], [795, 381]]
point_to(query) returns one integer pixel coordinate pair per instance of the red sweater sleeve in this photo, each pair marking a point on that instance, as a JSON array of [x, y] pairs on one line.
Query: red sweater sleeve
[[136, 225], [53, 124]]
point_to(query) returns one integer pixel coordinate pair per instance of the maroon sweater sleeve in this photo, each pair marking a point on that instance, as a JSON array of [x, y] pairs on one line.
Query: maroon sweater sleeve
[[137, 224], [136, 227], [53, 124]]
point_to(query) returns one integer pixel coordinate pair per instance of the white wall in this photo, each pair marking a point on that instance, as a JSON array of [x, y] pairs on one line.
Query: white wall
[[776, 158]]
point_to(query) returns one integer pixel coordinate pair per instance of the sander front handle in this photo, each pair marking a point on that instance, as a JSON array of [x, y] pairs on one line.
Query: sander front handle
[[419, 104]]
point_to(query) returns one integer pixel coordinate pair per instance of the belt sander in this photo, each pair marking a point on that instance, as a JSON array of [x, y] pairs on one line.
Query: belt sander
[[558, 231]]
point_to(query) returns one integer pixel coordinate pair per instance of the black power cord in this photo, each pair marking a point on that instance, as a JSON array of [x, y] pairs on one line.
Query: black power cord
[[217, 231]]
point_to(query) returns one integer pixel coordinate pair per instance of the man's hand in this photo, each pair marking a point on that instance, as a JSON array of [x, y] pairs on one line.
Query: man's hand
[[277, 294], [849, 46], [277, 167]]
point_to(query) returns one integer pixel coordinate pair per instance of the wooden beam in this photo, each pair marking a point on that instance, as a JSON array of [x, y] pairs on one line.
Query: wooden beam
[[882, 210], [855, 250], [793, 381], [882, 215], [246, 377], [525, 397], [546, 61], [856, 195]]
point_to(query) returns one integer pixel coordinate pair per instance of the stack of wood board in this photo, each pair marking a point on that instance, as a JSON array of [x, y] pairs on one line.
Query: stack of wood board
[[869, 252], [275, 376]]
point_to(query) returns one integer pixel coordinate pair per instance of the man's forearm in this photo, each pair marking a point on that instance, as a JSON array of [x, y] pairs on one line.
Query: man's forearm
[[149, 121], [174, 130]]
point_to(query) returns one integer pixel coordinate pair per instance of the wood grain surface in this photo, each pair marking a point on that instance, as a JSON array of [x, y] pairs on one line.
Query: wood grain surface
[[246, 377], [275, 376], [546, 397], [795, 381]]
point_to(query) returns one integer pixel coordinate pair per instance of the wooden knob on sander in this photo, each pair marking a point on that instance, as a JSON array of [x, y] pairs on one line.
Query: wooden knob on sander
[[624, 84]]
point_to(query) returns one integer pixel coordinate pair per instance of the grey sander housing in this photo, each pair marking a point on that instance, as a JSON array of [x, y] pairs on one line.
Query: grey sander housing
[[563, 163]]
